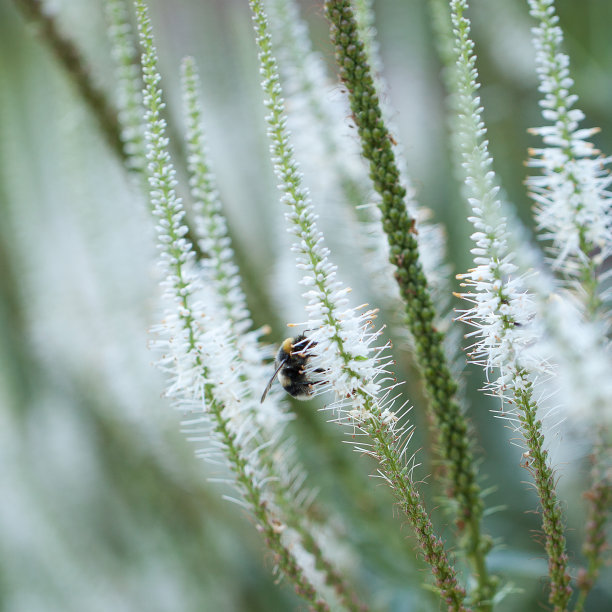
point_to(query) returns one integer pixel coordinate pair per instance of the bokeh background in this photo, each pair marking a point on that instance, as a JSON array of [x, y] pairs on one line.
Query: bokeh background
[[102, 502]]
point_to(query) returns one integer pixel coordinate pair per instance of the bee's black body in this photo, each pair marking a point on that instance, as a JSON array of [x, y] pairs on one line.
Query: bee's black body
[[290, 365], [291, 375]]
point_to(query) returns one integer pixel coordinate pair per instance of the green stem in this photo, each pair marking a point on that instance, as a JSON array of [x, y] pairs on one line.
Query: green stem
[[71, 59], [265, 521], [552, 520], [599, 500], [409, 500]]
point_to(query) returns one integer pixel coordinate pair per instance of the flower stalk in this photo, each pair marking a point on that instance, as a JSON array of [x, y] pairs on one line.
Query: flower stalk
[[599, 501], [552, 518], [70, 57], [502, 311], [573, 204], [211, 230], [454, 443], [341, 337], [197, 348]]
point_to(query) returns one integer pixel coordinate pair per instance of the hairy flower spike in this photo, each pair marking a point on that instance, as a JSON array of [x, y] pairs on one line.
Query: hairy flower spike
[[211, 230], [328, 156], [341, 337], [502, 312], [201, 357], [573, 202], [221, 272]]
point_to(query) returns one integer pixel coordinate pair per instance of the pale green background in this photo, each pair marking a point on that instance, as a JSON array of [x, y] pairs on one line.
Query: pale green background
[[102, 504]]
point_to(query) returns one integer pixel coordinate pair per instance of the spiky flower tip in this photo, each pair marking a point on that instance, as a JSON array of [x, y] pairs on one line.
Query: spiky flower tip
[[520, 322], [573, 203], [502, 313], [340, 336], [199, 338]]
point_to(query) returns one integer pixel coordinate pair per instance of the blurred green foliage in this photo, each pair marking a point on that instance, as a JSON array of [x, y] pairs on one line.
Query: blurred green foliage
[[103, 505]]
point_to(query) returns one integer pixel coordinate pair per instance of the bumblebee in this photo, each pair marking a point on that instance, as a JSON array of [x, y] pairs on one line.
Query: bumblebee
[[290, 364]]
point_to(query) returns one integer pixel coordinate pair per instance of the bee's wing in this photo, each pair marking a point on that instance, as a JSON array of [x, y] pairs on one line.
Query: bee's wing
[[269, 385]]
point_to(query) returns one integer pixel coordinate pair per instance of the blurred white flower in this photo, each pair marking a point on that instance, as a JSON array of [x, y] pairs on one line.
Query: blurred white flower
[[573, 204]]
